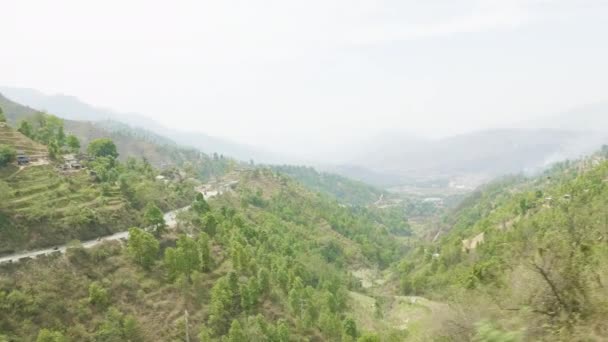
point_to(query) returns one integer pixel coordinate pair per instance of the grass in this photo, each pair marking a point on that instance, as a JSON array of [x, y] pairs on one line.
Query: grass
[[47, 205], [20, 142]]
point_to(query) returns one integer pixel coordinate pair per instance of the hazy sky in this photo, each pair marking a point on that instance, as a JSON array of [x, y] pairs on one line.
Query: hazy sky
[[285, 74]]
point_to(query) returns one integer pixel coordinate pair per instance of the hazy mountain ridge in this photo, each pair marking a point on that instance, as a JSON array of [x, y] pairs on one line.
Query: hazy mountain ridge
[[390, 159], [72, 108], [487, 153]]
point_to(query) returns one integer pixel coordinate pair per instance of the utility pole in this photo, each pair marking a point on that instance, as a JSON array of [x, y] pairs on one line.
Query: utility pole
[[187, 330]]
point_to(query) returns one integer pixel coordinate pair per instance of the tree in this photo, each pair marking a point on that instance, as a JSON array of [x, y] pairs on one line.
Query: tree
[[7, 154], [2, 116], [118, 327], [199, 205], [282, 331], [220, 307], [184, 259], [204, 252], [155, 219], [26, 129], [236, 332], [210, 224], [73, 143], [204, 335], [142, 247], [349, 330], [103, 147], [98, 295], [46, 335]]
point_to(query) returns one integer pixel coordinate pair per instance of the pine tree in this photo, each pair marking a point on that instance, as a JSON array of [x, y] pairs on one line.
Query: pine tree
[[142, 247], [236, 332]]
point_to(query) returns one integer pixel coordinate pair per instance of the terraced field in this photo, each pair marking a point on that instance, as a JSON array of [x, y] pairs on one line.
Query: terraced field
[[20, 142], [47, 206], [36, 185]]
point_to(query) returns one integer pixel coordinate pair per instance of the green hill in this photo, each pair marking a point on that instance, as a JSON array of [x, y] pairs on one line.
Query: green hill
[[131, 142], [344, 189], [267, 259], [43, 203], [523, 255]]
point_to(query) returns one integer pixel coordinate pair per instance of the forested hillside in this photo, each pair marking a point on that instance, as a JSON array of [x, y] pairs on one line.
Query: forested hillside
[[47, 201], [342, 188], [523, 258], [267, 260]]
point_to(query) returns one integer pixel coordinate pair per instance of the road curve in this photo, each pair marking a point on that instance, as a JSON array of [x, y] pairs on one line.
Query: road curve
[[170, 220]]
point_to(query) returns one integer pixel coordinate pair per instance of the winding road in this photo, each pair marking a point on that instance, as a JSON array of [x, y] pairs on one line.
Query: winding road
[[170, 221]]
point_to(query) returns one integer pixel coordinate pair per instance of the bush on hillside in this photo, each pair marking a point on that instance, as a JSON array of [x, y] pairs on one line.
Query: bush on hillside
[[7, 154]]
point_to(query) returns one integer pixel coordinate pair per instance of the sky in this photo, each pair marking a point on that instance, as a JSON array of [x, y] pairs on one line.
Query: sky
[[313, 75]]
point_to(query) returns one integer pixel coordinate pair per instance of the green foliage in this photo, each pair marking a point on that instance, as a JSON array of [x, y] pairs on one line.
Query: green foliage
[[155, 219], [46, 335], [369, 337], [142, 247], [2, 116], [349, 329], [200, 206], [486, 332], [26, 129], [342, 188], [102, 147], [118, 327], [73, 143], [236, 332], [7, 154], [204, 334], [98, 295], [188, 257], [288, 258]]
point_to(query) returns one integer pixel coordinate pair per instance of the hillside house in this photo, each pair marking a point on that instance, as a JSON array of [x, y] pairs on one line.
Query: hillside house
[[71, 162], [22, 158]]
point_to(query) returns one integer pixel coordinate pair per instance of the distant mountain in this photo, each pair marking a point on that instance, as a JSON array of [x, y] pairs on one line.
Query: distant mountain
[[477, 156], [592, 117], [72, 108], [131, 142]]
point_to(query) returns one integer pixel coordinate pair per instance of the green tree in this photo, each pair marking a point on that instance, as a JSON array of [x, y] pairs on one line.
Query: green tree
[[204, 252], [54, 149], [331, 325], [102, 147], [204, 335], [236, 332], [200, 205], [349, 330], [210, 224], [2, 116], [184, 259], [142, 247], [282, 331], [26, 129], [98, 295], [7, 154], [118, 327], [46, 335], [155, 219], [220, 307], [73, 143]]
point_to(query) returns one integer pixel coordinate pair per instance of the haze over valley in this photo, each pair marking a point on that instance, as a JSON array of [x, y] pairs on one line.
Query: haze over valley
[[367, 171]]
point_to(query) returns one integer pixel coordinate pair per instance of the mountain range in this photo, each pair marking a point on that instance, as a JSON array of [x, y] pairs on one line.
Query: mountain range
[[390, 159]]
